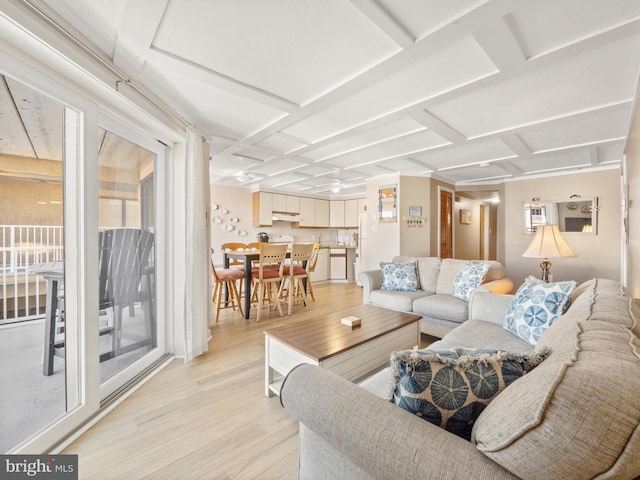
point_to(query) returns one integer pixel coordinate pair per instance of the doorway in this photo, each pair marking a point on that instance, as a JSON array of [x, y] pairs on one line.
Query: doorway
[[445, 241]]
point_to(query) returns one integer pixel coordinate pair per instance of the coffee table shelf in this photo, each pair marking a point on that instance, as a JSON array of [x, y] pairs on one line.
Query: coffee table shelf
[[353, 353]]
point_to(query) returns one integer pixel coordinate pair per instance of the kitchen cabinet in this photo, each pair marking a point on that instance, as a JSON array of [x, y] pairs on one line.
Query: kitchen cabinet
[[314, 212], [336, 213], [262, 209], [285, 203], [338, 262], [321, 272], [322, 213], [279, 203], [351, 213]]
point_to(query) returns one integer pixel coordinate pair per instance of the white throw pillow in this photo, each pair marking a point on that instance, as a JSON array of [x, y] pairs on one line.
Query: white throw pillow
[[536, 306], [468, 278]]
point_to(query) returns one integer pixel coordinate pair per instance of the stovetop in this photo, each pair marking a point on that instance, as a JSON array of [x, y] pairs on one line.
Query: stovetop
[[280, 238]]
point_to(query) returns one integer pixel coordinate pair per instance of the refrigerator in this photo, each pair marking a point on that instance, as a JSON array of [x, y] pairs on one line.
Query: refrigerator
[[361, 245]]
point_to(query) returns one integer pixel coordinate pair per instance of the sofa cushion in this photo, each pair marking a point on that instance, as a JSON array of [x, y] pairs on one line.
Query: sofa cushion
[[444, 307], [449, 269], [580, 410], [399, 276], [428, 270], [536, 306], [491, 336], [468, 278], [395, 300], [450, 388]]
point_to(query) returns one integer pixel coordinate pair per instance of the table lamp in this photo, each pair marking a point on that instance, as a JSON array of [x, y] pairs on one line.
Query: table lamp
[[546, 243]]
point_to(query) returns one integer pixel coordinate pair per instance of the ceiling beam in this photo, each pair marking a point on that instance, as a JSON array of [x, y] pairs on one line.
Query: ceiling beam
[[499, 42], [515, 143], [374, 12], [434, 123]]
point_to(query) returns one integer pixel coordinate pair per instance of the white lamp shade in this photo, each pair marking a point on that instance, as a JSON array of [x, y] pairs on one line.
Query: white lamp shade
[[547, 242]]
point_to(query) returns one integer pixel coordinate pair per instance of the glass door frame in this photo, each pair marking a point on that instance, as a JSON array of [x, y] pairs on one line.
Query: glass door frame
[[120, 127]]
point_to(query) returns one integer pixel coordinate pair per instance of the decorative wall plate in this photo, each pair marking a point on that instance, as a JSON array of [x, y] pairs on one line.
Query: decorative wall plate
[[216, 220], [242, 233], [233, 220], [572, 205], [214, 206], [224, 211], [228, 228]]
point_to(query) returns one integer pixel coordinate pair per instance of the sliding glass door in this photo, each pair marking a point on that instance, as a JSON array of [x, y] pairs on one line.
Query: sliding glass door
[[81, 258], [131, 329]]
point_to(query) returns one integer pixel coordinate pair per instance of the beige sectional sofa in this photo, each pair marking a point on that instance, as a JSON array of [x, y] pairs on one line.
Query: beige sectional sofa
[[441, 312], [575, 416]]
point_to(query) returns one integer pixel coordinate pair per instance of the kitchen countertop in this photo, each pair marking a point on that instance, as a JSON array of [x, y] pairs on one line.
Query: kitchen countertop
[[338, 246]]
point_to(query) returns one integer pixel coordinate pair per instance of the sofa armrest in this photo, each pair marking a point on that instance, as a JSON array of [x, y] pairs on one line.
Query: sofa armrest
[[370, 280], [489, 307], [378, 437], [503, 285]]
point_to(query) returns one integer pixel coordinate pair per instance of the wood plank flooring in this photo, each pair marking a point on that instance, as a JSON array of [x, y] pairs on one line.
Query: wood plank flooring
[[207, 419]]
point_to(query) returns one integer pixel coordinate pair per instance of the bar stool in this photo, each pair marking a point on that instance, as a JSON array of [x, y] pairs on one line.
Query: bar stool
[[295, 273], [267, 276], [228, 278]]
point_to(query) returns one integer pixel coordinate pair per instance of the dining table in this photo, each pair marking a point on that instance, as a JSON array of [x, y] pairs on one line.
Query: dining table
[[247, 256]]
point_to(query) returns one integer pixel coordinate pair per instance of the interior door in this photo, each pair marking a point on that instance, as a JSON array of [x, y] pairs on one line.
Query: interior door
[[446, 224]]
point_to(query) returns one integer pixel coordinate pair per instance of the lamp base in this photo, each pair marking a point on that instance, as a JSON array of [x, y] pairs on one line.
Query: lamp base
[[545, 266]]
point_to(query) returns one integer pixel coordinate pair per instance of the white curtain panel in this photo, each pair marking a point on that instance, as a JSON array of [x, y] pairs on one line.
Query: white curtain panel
[[197, 242]]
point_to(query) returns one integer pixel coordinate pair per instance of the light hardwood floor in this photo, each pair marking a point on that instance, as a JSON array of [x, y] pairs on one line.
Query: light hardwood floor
[[207, 419]]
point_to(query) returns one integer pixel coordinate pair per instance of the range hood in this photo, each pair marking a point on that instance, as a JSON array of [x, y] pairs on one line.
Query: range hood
[[286, 217]]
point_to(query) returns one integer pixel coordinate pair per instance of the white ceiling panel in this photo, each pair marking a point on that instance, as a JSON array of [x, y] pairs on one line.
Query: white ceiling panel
[[611, 152], [406, 145], [469, 153], [450, 67], [224, 113], [598, 78], [421, 18], [546, 25], [553, 162], [280, 144], [363, 139], [591, 127], [277, 167], [476, 173], [295, 49]]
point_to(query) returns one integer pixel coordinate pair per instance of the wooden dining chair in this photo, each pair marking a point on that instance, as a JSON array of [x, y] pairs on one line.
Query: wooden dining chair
[[292, 287], [311, 266], [257, 246], [233, 247], [267, 276], [226, 277]]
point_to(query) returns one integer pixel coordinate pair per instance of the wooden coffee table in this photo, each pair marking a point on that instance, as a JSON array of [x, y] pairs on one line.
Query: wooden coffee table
[[351, 352]]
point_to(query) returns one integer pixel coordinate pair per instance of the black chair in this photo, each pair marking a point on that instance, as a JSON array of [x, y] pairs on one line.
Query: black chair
[[126, 273], [126, 277]]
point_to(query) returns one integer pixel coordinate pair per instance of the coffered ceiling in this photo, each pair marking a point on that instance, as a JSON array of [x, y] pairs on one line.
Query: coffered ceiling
[[304, 95]]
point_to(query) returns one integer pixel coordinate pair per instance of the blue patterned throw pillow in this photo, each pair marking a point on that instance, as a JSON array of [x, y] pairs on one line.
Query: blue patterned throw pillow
[[451, 388], [468, 278], [536, 306], [399, 276]]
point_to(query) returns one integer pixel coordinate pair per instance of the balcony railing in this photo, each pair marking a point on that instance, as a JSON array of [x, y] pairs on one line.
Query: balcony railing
[[22, 295]]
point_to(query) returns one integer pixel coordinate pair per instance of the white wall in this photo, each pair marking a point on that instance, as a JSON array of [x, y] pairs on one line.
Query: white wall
[[383, 239], [632, 261], [597, 255], [414, 191]]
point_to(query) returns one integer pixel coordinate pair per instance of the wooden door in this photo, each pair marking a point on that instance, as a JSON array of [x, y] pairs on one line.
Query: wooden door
[[446, 224]]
